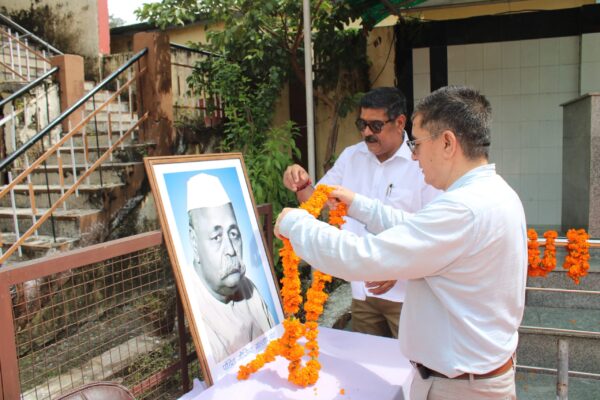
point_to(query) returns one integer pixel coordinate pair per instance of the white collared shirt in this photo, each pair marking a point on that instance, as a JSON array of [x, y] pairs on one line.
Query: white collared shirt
[[465, 255], [397, 181]]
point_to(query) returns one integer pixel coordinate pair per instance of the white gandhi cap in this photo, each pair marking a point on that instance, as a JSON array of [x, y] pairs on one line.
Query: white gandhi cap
[[205, 190]]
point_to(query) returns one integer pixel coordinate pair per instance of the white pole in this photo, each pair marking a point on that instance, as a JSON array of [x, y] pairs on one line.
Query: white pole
[[310, 117]]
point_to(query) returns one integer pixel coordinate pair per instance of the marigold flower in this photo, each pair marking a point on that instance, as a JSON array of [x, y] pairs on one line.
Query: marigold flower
[[576, 261], [287, 346]]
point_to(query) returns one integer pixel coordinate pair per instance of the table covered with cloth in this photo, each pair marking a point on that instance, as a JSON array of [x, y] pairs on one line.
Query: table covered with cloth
[[353, 366]]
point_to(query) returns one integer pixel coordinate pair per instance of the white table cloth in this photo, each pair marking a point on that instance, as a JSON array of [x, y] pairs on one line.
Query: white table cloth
[[364, 366]]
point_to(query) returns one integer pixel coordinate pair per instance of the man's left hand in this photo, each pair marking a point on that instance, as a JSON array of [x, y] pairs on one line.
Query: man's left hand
[[379, 287], [279, 218]]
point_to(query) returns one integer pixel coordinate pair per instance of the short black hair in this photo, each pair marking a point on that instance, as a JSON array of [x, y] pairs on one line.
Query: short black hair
[[464, 111], [389, 98]]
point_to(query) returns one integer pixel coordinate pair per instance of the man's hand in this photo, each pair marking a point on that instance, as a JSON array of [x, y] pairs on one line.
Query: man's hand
[[296, 178], [279, 218], [379, 287], [342, 194]]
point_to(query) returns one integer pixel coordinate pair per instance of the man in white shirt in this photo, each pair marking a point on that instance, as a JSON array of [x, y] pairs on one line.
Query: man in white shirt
[[233, 311], [379, 167], [464, 254]]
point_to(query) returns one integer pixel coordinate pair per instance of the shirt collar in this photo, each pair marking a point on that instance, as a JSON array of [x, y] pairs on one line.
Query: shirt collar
[[402, 152], [475, 173]]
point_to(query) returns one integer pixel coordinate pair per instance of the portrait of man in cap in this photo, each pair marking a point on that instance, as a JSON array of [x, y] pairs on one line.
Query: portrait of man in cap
[[233, 311]]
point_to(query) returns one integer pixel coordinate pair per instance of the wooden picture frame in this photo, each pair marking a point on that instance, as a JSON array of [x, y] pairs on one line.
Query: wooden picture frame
[[229, 305]]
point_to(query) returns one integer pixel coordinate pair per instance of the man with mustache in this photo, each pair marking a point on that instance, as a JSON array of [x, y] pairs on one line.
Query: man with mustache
[[464, 254], [380, 167], [233, 311]]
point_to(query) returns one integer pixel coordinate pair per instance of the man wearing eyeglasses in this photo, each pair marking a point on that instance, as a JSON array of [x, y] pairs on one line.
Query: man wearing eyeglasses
[[380, 166], [465, 254]]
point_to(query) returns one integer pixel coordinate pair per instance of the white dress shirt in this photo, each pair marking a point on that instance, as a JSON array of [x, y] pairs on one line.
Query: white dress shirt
[[464, 254], [397, 181], [232, 325]]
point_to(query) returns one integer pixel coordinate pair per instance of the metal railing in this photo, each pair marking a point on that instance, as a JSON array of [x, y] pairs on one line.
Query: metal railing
[[556, 320], [103, 312], [34, 104], [23, 56], [189, 105], [25, 34], [83, 161]]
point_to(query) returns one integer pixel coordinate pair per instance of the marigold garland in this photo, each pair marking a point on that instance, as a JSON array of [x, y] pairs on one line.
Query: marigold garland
[[576, 260], [287, 346], [533, 254]]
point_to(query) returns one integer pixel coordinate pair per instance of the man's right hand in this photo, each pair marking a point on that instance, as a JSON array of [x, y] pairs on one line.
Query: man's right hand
[[342, 194], [295, 177]]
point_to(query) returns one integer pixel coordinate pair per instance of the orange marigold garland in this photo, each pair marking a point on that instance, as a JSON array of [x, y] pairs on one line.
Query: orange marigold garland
[[537, 266], [287, 345], [533, 254], [576, 261]]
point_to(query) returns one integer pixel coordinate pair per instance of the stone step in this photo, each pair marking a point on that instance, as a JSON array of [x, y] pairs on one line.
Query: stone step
[[36, 246], [102, 136], [89, 196], [542, 386], [538, 337], [67, 223], [103, 95], [576, 298], [113, 107], [129, 152], [115, 172], [102, 116]]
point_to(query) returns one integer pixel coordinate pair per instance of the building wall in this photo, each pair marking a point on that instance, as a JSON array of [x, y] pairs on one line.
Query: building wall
[[466, 10], [526, 82], [87, 20]]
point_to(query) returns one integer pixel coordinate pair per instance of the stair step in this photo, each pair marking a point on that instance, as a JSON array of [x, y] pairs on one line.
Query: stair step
[[558, 279], [37, 246], [90, 196], [542, 386], [113, 107], [562, 318], [102, 134], [538, 344], [67, 223], [129, 152], [103, 95], [115, 116], [114, 172]]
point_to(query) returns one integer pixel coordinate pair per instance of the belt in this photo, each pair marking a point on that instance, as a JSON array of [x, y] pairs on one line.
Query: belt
[[426, 372]]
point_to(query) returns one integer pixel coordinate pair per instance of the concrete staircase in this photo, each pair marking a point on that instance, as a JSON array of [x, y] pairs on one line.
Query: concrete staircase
[[22, 57], [85, 216], [578, 316]]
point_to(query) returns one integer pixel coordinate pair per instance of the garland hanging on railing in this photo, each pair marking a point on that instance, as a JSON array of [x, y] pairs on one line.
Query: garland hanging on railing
[[537, 266], [287, 346], [576, 261]]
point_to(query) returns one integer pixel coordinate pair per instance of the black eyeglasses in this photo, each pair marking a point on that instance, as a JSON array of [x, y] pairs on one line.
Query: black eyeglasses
[[412, 144], [374, 126]]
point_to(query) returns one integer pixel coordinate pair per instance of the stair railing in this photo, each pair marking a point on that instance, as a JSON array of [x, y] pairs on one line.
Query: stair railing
[[29, 105], [185, 104], [24, 55], [58, 143]]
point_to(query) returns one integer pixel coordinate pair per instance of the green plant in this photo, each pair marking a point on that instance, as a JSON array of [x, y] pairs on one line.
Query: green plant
[[262, 45]]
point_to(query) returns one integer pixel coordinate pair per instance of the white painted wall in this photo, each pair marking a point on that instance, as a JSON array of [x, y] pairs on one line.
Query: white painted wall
[[526, 82]]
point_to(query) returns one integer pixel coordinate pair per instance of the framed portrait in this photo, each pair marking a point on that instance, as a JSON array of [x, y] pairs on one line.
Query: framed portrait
[[222, 268]]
